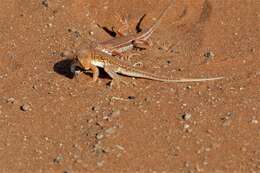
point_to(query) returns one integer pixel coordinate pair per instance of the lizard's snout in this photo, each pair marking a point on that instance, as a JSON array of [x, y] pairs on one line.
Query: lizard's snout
[[75, 68]]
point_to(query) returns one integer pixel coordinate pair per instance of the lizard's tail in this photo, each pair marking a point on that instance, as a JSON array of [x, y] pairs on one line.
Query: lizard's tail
[[146, 75], [189, 80], [150, 31]]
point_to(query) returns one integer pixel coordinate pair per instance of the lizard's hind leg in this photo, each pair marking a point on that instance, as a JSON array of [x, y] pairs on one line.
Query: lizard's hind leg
[[142, 44], [116, 79], [124, 29]]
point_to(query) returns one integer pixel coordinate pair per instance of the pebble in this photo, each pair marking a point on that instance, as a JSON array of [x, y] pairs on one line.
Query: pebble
[[186, 126], [95, 108], [186, 164], [100, 149], [209, 55], [131, 97], [45, 3], [120, 147], [26, 108], [100, 163], [99, 136], [11, 100], [186, 116], [58, 159], [254, 120]]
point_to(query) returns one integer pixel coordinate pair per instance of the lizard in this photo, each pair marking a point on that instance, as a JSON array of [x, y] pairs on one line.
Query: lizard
[[89, 59], [119, 45]]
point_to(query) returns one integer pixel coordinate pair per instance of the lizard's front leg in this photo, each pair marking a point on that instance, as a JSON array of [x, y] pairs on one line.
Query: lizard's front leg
[[95, 71]]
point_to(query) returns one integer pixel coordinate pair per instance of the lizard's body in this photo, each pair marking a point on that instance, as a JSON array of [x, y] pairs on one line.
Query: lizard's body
[[88, 59], [123, 43]]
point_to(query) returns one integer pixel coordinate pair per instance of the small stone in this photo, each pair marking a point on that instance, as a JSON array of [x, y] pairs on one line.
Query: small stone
[[107, 118], [100, 163], [11, 100], [34, 87], [131, 97], [147, 99], [189, 87], [99, 149], [189, 130], [254, 120], [120, 147], [209, 55], [100, 124], [45, 3], [186, 116], [26, 108], [186, 126], [186, 164], [99, 136], [95, 108], [49, 25], [77, 34], [90, 121], [58, 159]]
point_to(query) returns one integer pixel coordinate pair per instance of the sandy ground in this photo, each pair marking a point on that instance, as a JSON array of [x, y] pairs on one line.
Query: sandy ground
[[50, 122]]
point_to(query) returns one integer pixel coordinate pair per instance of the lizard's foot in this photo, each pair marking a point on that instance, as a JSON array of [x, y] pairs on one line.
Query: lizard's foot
[[165, 46], [143, 44], [124, 29], [116, 79], [138, 64]]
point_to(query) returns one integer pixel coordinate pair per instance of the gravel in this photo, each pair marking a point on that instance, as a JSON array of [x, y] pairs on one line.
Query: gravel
[[100, 163], [95, 108], [99, 136], [186, 116], [11, 100], [45, 3], [58, 159], [26, 108], [131, 97], [209, 55]]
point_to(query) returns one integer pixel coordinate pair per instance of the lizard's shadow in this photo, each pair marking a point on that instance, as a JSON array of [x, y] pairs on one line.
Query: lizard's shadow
[[63, 68], [113, 33]]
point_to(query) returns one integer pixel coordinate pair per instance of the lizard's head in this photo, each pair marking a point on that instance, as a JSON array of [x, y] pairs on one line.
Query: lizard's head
[[81, 61]]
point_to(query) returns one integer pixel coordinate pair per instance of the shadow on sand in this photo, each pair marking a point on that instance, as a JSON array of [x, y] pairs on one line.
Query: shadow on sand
[[63, 68]]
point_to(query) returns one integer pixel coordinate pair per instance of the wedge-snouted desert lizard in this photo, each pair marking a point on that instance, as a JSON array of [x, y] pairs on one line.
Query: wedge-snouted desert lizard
[[123, 43], [88, 59]]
